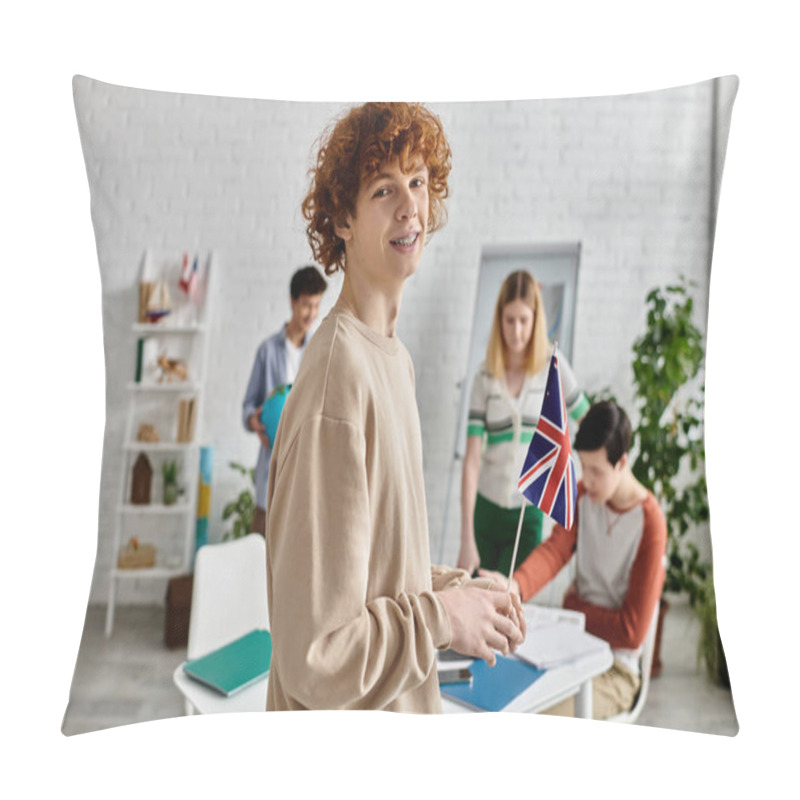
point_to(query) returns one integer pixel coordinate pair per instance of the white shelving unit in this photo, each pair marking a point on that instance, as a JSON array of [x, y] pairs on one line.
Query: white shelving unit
[[170, 528]]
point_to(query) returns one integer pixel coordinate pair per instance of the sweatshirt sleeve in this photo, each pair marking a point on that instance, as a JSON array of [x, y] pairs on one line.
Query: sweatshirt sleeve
[[574, 397], [338, 642], [546, 560], [256, 389], [627, 626]]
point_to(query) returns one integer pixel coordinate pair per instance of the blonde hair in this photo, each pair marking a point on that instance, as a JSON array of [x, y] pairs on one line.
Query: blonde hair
[[519, 285]]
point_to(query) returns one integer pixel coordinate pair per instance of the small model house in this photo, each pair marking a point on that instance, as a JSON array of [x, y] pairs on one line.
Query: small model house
[[142, 481]]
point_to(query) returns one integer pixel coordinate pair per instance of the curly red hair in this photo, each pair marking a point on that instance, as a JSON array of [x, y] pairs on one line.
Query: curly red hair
[[353, 150]]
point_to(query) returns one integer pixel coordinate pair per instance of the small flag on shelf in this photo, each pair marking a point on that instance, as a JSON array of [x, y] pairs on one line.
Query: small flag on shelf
[[188, 278]]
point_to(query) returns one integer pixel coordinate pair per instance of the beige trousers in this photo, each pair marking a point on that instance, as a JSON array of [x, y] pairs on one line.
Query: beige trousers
[[612, 693], [259, 524]]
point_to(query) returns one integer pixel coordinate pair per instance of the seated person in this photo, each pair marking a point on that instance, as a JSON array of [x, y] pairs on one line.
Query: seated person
[[619, 538]]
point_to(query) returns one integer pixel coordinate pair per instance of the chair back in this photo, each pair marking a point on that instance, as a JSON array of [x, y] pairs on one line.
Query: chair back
[[229, 595], [646, 666]]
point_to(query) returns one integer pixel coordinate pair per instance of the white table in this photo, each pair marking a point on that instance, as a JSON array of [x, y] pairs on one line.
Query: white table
[[558, 683], [555, 685]]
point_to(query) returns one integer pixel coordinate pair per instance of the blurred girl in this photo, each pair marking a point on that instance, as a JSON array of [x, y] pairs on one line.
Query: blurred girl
[[504, 407]]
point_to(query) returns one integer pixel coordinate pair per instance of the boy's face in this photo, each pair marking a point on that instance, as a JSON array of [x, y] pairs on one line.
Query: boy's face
[[305, 310], [385, 236], [600, 477]]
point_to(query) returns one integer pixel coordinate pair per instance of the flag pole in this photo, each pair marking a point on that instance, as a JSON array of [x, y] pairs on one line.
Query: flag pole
[[516, 543]]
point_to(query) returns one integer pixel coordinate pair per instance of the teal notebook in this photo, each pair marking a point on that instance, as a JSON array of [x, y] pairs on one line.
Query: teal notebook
[[493, 688], [233, 667]]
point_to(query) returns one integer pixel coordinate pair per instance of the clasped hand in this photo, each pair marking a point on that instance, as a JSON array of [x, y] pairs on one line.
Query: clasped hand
[[483, 621]]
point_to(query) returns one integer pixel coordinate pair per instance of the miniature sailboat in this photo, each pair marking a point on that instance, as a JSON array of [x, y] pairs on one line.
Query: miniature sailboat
[[159, 304]]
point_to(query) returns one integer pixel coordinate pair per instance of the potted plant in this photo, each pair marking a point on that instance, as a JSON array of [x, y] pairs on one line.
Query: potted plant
[[241, 509], [169, 471], [668, 438], [709, 646]]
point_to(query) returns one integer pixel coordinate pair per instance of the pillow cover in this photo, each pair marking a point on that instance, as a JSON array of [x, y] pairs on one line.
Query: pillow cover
[[196, 211]]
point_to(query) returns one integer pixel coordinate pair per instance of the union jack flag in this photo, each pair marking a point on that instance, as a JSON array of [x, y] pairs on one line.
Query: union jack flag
[[548, 474], [188, 277]]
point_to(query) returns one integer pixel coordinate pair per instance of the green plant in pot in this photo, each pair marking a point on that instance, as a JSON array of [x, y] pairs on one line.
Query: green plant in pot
[[241, 509], [668, 438], [709, 648], [169, 471], [669, 435]]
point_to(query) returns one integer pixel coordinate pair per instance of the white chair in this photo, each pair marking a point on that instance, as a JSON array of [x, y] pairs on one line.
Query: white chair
[[229, 599], [645, 665]]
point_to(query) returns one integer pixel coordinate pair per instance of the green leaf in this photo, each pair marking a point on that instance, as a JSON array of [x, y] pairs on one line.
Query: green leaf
[[669, 436]]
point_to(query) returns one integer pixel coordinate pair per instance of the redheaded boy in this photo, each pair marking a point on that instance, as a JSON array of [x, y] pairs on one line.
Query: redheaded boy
[[356, 612]]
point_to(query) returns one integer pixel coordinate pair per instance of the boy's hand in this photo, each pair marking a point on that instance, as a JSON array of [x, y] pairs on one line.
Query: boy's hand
[[482, 621], [468, 557], [501, 582], [254, 421]]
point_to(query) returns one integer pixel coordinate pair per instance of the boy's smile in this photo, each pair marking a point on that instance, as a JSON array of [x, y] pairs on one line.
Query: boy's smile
[[386, 234], [305, 310]]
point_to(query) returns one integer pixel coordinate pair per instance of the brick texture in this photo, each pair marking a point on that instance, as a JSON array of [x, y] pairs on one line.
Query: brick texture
[[629, 177]]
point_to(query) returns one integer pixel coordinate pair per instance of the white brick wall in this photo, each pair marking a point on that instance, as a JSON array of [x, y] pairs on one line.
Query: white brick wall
[[628, 177]]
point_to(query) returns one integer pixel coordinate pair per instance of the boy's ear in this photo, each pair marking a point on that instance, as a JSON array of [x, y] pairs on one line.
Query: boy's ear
[[622, 462], [342, 230]]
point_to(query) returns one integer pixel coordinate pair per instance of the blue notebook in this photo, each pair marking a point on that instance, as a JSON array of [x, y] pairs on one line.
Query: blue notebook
[[493, 688], [236, 665]]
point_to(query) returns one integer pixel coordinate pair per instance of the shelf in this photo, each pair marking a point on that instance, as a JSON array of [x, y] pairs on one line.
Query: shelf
[[157, 329], [154, 509], [154, 403], [186, 387], [148, 572], [159, 447]]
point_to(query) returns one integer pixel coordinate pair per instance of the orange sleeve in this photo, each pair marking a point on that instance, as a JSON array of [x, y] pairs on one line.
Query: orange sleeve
[[547, 560], [626, 627]]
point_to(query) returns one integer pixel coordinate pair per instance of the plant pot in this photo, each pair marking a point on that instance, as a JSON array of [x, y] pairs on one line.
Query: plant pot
[[655, 670], [170, 494], [722, 678]]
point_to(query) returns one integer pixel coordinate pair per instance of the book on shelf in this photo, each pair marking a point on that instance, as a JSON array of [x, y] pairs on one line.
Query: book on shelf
[[139, 359], [186, 420]]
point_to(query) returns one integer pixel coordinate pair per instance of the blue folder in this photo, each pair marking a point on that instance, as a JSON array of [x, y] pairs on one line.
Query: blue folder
[[236, 665], [493, 688]]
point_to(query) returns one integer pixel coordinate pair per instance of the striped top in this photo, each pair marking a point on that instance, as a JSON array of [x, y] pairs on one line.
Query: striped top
[[507, 423]]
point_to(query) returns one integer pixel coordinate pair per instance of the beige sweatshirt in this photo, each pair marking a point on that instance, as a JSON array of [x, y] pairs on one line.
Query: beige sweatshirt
[[354, 620]]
